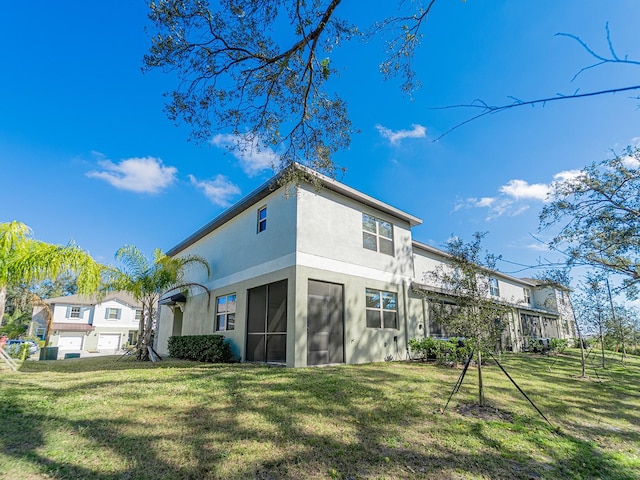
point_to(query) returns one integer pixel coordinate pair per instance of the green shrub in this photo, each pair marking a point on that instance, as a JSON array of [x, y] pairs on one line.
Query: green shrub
[[443, 351], [201, 348], [558, 345], [423, 348]]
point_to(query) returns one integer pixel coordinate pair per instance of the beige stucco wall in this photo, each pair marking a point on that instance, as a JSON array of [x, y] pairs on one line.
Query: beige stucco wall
[[236, 250], [361, 344], [199, 313], [330, 235]]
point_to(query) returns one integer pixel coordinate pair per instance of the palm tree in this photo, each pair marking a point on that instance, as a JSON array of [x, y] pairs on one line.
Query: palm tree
[[25, 260], [15, 324], [147, 281]]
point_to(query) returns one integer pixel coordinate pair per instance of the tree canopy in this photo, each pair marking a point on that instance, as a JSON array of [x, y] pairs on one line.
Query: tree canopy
[[598, 215], [24, 259], [260, 70], [475, 314]]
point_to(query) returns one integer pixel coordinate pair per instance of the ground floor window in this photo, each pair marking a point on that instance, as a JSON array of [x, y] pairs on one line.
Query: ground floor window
[[267, 323], [438, 311], [226, 313], [382, 309]]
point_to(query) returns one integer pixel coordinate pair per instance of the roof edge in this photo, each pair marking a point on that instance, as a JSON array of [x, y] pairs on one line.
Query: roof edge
[[271, 186], [437, 251]]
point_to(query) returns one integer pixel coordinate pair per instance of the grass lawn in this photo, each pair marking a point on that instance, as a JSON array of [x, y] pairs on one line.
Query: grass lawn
[[107, 419]]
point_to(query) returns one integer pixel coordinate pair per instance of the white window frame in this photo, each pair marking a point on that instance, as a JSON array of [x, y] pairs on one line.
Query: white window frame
[[138, 314], [527, 295], [262, 222], [381, 308], [221, 323], [494, 287], [75, 312], [378, 234], [117, 311]]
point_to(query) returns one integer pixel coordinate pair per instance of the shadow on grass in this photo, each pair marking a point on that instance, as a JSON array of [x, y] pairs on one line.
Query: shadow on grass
[[88, 420]]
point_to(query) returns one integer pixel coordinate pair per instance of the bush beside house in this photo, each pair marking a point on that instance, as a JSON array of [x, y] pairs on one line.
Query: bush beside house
[[201, 348]]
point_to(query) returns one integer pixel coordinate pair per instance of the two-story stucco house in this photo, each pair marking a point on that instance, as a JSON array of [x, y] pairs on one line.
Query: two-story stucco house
[[89, 323], [319, 276]]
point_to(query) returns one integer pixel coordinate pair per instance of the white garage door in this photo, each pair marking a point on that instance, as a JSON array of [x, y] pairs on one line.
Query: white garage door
[[109, 341], [67, 342]]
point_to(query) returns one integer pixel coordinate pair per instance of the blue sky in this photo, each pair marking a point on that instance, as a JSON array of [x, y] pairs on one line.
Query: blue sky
[[87, 154]]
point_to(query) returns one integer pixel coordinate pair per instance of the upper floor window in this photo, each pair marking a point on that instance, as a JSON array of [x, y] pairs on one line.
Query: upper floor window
[[75, 312], [112, 313], [494, 289], [377, 235], [527, 295], [262, 219], [563, 297], [382, 309], [138, 314], [226, 313]]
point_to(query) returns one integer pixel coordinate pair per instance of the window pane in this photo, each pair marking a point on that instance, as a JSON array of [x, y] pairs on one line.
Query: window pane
[[255, 348], [373, 299], [385, 229], [222, 305], [373, 318], [277, 348], [262, 214], [368, 223], [220, 323], [389, 301], [369, 241], [231, 321], [257, 310], [386, 246], [277, 321], [231, 303], [390, 319]]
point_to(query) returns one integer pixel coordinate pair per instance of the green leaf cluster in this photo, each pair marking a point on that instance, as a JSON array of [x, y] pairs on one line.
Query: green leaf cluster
[[598, 212], [446, 351], [201, 348]]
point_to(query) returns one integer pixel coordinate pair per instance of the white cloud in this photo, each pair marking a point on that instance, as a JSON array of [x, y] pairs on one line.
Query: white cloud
[[521, 190], [631, 162], [514, 195], [537, 247], [417, 131], [219, 189], [145, 175], [566, 175], [475, 202], [254, 157]]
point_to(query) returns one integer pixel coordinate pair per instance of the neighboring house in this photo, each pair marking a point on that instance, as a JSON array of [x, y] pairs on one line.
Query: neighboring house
[[88, 323], [327, 275]]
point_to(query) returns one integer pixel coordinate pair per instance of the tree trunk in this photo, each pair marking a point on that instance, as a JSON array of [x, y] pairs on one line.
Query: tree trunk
[[480, 384], [144, 340], [580, 339], [3, 301], [601, 339]]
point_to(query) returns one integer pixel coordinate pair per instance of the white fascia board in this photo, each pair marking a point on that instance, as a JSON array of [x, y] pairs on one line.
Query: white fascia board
[[345, 268]]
